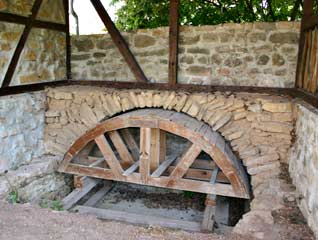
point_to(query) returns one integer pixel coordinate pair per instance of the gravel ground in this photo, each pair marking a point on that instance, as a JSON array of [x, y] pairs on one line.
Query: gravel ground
[[27, 222]]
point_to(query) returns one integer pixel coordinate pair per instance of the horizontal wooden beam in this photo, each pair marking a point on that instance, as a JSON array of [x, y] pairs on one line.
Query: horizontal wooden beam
[[17, 19], [183, 184], [30, 87], [181, 87], [292, 92]]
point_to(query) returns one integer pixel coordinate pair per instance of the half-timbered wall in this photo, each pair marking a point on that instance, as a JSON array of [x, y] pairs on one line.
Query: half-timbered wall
[[43, 58], [259, 54]]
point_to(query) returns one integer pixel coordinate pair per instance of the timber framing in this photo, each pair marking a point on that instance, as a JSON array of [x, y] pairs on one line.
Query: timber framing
[[119, 41], [173, 41], [24, 37], [308, 22], [17, 19]]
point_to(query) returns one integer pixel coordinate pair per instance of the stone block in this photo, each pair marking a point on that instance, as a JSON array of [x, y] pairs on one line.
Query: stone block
[[282, 107]]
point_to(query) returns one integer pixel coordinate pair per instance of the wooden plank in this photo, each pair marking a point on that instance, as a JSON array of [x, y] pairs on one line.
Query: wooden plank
[[121, 148], [144, 167], [13, 18], [119, 41], [93, 200], [173, 41], [209, 211], [131, 143], [17, 53], [70, 200], [139, 218], [67, 40], [131, 169], [157, 148], [200, 174], [186, 161], [163, 167], [109, 156], [182, 184]]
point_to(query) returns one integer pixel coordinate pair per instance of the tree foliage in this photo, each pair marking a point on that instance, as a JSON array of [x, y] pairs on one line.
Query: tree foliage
[[134, 14]]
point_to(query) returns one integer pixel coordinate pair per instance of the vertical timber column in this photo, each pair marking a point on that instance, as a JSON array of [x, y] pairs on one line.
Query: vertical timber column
[[173, 41], [145, 151], [158, 148], [68, 40], [307, 13]]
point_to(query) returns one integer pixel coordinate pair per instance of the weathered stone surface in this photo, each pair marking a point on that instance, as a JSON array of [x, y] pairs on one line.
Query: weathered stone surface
[[303, 162], [143, 41], [248, 58], [282, 107], [290, 38]]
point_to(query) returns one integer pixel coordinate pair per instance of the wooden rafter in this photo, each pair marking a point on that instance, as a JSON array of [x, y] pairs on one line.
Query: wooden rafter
[[173, 41], [144, 167], [131, 143], [119, 41], [17, 53]]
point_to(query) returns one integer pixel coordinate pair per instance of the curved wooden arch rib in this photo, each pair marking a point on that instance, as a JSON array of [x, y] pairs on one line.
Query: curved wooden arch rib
[[200, 135]]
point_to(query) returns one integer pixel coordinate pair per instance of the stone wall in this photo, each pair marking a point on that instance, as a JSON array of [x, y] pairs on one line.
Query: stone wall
[[258, 127], [43, 58], [22, 149], [259, 54], [304, 163]]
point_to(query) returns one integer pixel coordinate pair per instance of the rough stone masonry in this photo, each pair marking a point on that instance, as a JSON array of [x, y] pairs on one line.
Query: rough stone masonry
[[249, 54], [258, 127]]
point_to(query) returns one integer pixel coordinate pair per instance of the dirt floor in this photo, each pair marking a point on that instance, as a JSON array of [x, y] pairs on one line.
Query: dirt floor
[[29, 222], [26, 222]]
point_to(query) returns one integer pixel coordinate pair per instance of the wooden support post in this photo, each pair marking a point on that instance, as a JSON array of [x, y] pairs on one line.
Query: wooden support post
[[158, 148], [68, 40], [210, 207], [24, 37], [307, 14], [119, 41], [173, 41], [144, 167]]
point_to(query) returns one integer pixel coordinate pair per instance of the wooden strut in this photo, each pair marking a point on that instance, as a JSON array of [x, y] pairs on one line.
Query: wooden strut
[[173, 41], [17, 53], [119, 41]]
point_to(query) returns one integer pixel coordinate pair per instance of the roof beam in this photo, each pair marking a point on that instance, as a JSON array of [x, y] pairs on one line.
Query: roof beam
[[173, 41], [17, 53], [119, 41]]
